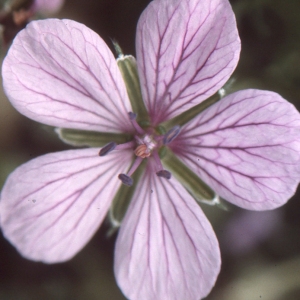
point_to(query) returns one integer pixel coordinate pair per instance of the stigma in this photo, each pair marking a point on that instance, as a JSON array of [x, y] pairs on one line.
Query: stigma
[[146, 145], [142, 151]]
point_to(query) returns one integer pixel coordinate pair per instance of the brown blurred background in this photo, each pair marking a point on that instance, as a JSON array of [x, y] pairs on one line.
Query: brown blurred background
[[260, 251]]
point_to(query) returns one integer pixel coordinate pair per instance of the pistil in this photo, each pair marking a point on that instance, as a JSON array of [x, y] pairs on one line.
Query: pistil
[[142, 151]]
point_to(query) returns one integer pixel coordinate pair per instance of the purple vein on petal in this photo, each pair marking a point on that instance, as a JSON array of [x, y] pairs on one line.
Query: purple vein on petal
[[78, 84], [155, 233], [79, 219], [246, 147], [81, 80], [206, 53], [66, 203], [231, 172], [66, 176], [77, 192]]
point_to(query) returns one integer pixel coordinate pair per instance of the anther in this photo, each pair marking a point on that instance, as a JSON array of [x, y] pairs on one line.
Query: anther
[[164, 173], [171, 134], [126, 179], [137, 127], [132, 116], [107, 148]]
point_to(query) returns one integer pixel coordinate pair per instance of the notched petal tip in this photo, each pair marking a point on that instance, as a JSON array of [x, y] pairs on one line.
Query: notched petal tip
[[127, 180], [164, 174]]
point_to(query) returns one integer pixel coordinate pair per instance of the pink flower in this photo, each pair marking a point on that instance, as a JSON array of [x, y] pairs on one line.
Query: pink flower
[[244, 147]]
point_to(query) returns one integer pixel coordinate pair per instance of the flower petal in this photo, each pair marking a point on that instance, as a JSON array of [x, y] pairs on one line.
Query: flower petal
[[47, 7], [52, 205], [61, 73], [166, 248], [186, 51], [246, 147]]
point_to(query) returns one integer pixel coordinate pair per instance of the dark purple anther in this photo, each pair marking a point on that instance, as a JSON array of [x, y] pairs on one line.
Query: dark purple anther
[[132, 116], [107, 148], [126, 179], [164, 173], [171, 134]]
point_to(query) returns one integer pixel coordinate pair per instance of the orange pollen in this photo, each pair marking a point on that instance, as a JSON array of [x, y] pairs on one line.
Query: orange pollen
[[141, 151]]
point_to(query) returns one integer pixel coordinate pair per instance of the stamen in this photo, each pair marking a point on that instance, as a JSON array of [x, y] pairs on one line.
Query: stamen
[[107, 148], [157, 161], [135, 165], [161, 173], [171, 134], [132, 116], [128, 145], [126, 179], [164, 173], [137, 127]]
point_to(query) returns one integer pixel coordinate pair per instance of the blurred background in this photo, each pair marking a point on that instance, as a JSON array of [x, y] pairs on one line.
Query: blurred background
[[260, 250]]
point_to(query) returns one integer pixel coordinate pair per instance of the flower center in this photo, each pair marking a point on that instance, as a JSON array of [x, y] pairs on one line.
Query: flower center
[[145, 145]]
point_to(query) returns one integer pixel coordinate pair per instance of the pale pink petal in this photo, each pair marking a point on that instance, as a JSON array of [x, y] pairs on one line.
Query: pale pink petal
[[186, 51], [47, 6], [166, 248], [246, 147], [61, 73], [52, 205]]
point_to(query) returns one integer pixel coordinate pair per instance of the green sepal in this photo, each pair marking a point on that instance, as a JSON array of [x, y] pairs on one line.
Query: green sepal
[[193, 184], [161, 130], [223, 204], [128, 67], [162, 152], [123, 197], [80, 138], [191, 113]]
